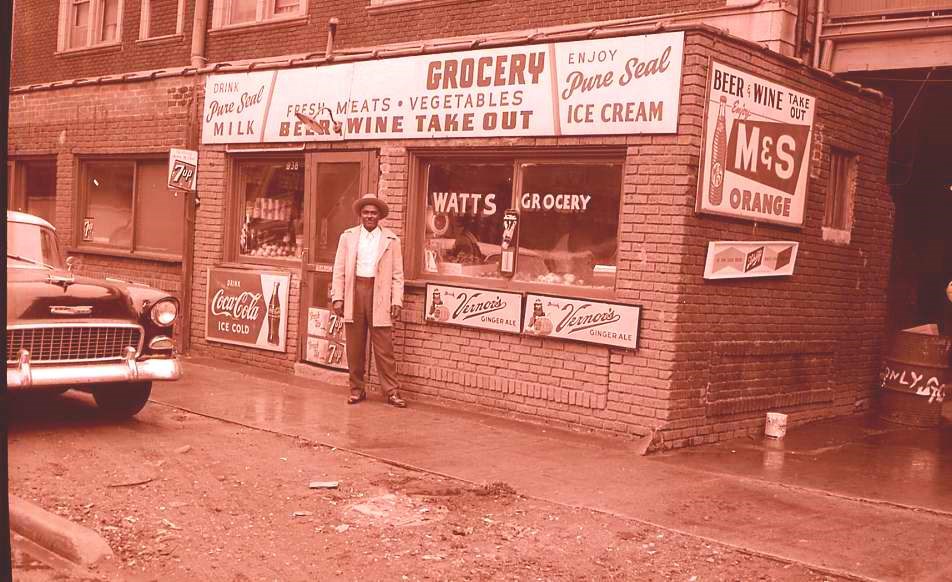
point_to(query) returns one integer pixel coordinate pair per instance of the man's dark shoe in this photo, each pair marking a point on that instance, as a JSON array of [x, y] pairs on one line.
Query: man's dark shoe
[[355, 398], [394, 400]]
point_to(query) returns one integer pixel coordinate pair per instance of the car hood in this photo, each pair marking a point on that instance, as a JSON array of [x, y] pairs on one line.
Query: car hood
[[34, 294]]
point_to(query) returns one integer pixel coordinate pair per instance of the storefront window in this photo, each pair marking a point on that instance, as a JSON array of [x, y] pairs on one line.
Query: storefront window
[[568, 220], [465, 203], [127, 206], [272, 199]]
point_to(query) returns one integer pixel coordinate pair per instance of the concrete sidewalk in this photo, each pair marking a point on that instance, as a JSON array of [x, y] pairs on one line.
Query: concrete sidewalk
[[747, 502]]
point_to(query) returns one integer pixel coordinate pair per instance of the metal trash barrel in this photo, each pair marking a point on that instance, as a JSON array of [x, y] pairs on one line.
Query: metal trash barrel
[[916, 376]]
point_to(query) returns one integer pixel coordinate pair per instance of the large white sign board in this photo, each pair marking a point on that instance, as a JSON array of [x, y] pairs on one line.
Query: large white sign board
[[626, 85]]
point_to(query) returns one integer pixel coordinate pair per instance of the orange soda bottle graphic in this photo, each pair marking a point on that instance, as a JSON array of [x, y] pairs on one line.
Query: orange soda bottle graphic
[[715, 191]]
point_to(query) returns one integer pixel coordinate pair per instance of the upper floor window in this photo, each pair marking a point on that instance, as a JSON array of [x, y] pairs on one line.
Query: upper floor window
[[841, 190], [89, 23], [236, 12], [161, 18]]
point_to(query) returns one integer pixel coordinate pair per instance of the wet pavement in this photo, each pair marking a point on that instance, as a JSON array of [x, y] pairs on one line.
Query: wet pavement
[[854, 496]]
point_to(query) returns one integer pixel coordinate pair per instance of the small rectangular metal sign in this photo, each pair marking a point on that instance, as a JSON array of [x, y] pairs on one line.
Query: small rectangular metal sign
[[247, 308], [468, 307], [183, 170], [745, 259], [597, 322]]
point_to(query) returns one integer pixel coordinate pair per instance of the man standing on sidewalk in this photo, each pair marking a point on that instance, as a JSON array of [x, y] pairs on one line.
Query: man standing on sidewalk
[[367, 290]]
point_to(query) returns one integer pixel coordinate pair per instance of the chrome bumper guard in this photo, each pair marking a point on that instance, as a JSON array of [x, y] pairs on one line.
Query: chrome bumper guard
[[25, 375]]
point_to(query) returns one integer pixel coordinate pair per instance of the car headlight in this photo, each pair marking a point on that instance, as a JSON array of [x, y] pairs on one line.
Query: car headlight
[[164, 312]]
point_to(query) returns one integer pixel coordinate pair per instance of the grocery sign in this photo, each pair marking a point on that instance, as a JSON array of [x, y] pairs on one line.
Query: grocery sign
[[597, 322], [755, 157], [247, 308], [744, 259], [468, 307], [616, 86]]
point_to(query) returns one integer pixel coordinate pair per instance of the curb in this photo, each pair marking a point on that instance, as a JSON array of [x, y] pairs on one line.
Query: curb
[[69, 540]]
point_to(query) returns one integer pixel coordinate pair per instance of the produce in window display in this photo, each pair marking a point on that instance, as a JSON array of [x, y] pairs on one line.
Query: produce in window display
[[270, 229]]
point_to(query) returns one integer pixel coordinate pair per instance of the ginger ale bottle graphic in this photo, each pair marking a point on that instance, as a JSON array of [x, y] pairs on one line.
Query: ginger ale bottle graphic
[[715, 190]]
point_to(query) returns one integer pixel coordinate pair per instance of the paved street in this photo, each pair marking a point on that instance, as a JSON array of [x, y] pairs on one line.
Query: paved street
[[806, 503]]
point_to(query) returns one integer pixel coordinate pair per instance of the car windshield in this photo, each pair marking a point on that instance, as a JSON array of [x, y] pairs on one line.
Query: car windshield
[[31, 245]]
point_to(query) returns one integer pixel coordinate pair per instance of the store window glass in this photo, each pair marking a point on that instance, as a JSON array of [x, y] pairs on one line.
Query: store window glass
[[272, 198], [465, 202], [127, 206], [569, 219], [338, 186], [32, 187]]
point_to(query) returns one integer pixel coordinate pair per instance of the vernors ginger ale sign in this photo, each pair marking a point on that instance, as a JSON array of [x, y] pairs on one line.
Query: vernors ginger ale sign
[[755, 157]]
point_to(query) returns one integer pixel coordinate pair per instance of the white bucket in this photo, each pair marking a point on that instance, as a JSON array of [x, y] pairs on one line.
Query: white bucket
[[776, 425]]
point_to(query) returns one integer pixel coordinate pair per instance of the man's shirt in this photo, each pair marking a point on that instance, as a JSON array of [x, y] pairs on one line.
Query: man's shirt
[[367, 248]]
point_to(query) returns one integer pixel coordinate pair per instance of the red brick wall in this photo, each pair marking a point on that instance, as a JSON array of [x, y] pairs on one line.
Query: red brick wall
[[126, 119], [806, 345], [35, 59], [713, 356], [34, 39]]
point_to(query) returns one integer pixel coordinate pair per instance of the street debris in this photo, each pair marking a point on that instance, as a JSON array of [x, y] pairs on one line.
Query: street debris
[[183, 449], [324, 484], [342, 528], [302, 513], [169, 524]]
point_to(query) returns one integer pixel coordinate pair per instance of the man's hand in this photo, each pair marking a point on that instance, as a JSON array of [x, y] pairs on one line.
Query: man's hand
[[395, 312], [338, 308]]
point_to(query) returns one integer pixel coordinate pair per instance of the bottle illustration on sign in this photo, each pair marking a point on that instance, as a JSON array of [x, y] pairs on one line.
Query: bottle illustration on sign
[[539, 324], [715, 192], [274, 316]]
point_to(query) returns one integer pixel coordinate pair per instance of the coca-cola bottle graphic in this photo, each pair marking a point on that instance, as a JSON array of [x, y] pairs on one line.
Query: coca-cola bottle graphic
[[274, 316], [715, 191]]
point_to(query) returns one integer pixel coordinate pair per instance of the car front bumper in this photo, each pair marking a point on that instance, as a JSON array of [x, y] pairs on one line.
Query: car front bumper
[[23, 375]]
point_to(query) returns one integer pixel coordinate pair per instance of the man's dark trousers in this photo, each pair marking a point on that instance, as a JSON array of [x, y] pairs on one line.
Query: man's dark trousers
[[381, 340]]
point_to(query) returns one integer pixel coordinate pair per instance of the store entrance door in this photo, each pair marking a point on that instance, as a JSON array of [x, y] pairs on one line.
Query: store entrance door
[[335, 181]]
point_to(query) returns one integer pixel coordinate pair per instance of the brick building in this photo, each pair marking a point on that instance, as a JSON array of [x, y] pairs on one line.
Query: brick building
[[709, 260]]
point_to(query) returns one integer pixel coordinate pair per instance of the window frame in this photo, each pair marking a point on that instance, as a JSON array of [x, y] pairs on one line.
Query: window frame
[[417, 186], [840, 199], [236, 206], [17, 195], [264, 14], [82, 202], [145, 21], [94, 28]]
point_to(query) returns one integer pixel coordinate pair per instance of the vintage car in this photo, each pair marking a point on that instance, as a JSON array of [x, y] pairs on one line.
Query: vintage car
[[64, 331]]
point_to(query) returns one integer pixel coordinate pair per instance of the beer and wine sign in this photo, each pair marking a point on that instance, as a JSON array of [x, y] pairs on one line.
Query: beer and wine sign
[[598, 322], [755, 160], [247, 308], [615, 86]]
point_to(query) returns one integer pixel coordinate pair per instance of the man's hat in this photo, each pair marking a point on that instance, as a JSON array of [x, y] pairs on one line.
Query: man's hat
[[371, 198]]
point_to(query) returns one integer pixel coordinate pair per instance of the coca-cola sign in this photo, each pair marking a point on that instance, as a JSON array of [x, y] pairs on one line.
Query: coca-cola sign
[[248, 308], [597, 322]]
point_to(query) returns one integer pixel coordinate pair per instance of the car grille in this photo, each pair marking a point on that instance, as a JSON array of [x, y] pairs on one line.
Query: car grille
[[70, 343]]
